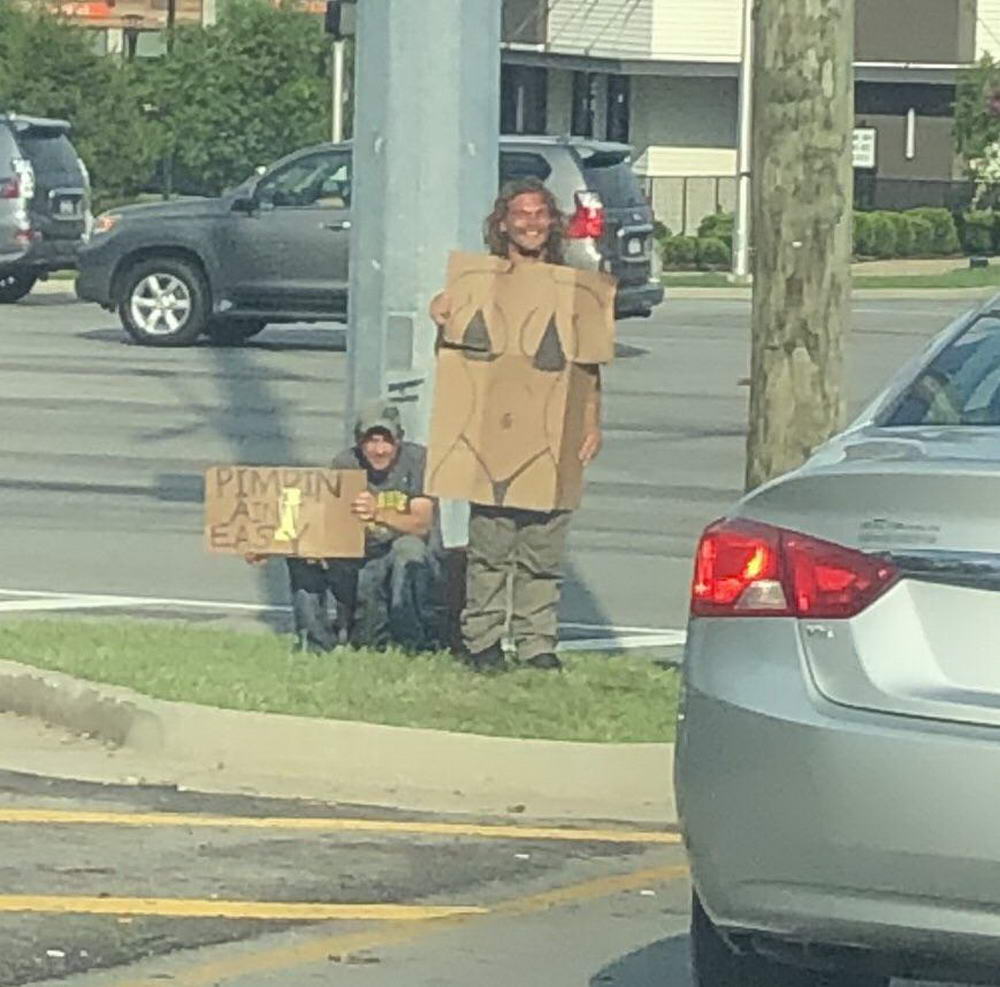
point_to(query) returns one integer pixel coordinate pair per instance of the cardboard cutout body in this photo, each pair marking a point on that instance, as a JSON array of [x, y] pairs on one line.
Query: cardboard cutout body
[[511, 391], [283, 510]]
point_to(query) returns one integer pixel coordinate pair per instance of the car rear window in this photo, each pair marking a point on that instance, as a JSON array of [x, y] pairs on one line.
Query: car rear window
[[50, 155], [961, 385], [518, 164], [610, 175]]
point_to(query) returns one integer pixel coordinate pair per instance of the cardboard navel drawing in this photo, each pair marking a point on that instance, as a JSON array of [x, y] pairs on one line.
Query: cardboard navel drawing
[[511, 387]]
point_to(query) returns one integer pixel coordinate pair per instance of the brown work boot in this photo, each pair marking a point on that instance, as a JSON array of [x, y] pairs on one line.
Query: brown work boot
[[489, 661], [547, 662]]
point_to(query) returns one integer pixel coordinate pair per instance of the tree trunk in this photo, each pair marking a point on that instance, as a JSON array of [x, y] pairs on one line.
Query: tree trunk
[[802, 212]]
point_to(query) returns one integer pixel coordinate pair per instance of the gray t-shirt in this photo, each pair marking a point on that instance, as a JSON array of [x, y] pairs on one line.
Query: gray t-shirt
[[393, 488]]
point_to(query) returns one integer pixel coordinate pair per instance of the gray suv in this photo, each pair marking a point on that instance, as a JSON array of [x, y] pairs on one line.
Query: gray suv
[[44, 202], [276, 249]]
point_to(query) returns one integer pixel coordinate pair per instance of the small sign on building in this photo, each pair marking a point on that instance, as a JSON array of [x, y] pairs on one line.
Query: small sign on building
[[865, 147]]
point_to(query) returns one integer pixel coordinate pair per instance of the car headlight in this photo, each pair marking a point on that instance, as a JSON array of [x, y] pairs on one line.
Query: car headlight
[[105, 223]]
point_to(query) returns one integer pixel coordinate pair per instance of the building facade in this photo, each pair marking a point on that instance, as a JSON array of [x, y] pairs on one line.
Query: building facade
[[664, 76]]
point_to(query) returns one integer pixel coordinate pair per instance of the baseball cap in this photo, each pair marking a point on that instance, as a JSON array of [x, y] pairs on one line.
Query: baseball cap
[[378, 416]]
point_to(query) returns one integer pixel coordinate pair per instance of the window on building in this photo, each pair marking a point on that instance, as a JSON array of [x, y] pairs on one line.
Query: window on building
[[619, 108], [584, 97], [523, 99]]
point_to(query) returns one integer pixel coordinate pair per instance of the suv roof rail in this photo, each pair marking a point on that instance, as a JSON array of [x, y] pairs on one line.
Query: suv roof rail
[[550, 140], [25, 124], [586, 144]]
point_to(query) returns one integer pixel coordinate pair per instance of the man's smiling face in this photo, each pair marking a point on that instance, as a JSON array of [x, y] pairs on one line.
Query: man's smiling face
[[528, 223]]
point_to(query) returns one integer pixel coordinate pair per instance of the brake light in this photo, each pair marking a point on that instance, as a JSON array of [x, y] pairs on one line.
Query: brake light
[[588, 220], [10, 188], [746, 569]]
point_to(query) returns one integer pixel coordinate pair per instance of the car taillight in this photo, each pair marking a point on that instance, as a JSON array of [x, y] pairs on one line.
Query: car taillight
[[588, 220], [747, 569], [10, 188]]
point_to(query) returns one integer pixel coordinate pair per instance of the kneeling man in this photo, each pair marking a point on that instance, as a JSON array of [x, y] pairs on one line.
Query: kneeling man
[[391, 596]]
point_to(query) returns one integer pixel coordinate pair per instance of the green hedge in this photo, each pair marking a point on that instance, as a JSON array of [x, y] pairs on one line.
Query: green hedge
[[680, 252], [915, 233], [703, 253], [718, 226], [714, 254], [979, 231], [885, 235]]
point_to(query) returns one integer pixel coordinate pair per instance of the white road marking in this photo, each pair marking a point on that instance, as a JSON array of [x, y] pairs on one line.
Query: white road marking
[[616, 628], [612, 638], [627, 643], [67, 603]]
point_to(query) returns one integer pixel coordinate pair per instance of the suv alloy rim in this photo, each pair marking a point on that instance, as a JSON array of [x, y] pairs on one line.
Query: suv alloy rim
[[160, 304]]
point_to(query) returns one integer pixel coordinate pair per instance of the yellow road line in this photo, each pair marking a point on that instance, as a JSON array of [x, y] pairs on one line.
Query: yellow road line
[[320, 949], [272, 911], [320, 825]]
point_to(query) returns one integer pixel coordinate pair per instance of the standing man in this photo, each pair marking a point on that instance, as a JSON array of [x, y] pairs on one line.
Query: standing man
[[525, 228], [390, 597]]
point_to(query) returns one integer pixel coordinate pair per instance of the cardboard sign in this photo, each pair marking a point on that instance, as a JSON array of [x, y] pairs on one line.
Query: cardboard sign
[[511, 389], [530, 310], [284, 510]]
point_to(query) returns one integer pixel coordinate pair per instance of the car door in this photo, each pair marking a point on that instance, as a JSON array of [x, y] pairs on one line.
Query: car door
[[289, 254]]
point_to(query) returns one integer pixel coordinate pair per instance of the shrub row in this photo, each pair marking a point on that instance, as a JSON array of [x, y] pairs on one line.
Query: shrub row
[[706, 253], [926, 232], [916, 233]]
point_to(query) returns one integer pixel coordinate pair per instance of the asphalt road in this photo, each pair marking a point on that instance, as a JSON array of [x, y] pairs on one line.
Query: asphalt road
[[104, 444], [122, 886]]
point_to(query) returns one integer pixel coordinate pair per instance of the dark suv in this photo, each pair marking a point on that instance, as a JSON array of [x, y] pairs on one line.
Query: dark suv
[[44, 202], [276, 249]]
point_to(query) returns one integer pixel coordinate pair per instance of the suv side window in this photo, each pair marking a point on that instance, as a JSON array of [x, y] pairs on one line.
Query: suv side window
[[318, 181]]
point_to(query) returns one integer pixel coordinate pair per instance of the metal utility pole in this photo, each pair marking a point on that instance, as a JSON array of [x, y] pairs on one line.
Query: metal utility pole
[[337, 99], [425, 140], [171, 24], [741, 225], [802, 212]]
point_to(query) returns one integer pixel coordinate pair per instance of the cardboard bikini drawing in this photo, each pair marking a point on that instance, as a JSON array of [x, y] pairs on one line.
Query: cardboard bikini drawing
[[511, 391], [283, 510]]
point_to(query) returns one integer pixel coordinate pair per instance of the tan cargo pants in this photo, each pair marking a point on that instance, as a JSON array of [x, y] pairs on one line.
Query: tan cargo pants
[[530, 545]]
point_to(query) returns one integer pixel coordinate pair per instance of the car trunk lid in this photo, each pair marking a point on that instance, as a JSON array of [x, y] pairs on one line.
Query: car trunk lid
[[929, 646]]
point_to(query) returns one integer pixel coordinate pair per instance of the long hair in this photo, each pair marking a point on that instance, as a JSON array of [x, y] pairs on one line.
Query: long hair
[[499, 243]]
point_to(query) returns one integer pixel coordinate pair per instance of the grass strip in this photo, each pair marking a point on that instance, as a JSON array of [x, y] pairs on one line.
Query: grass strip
[[608, 699]]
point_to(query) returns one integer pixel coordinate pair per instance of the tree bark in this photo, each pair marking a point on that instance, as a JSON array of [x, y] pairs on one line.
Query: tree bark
[[802, 214]]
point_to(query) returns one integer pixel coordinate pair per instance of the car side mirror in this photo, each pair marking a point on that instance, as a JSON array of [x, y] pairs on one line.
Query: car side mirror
[[244, 204]]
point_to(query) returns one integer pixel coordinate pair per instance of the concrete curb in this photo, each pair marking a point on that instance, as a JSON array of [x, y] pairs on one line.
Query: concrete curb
[[55, 286], [58, 286], [331, 760], [862, 294]]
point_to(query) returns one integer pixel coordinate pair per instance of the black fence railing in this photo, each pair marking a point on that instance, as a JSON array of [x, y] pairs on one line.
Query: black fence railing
[[872, 192]]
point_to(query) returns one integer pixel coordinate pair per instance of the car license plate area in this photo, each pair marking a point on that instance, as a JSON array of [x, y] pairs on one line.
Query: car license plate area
[[635, 246], [67, 207]]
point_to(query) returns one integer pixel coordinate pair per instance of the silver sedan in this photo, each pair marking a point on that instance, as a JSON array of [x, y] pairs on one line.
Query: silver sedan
[[840, 729]]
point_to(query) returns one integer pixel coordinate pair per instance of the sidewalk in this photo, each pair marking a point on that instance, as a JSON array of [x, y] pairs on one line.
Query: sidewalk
[[134, 739]]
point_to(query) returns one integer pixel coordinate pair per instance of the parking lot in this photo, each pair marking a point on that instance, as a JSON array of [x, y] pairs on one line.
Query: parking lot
[[104, 450]]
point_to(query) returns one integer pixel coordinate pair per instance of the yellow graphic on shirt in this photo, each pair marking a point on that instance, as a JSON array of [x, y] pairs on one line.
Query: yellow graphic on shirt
[[390, 500], [288, 515]]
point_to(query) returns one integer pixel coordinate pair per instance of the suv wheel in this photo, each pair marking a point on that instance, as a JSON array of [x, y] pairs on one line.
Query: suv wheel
[[14, 285], [715, 964], [164, 302], [232, 332]]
